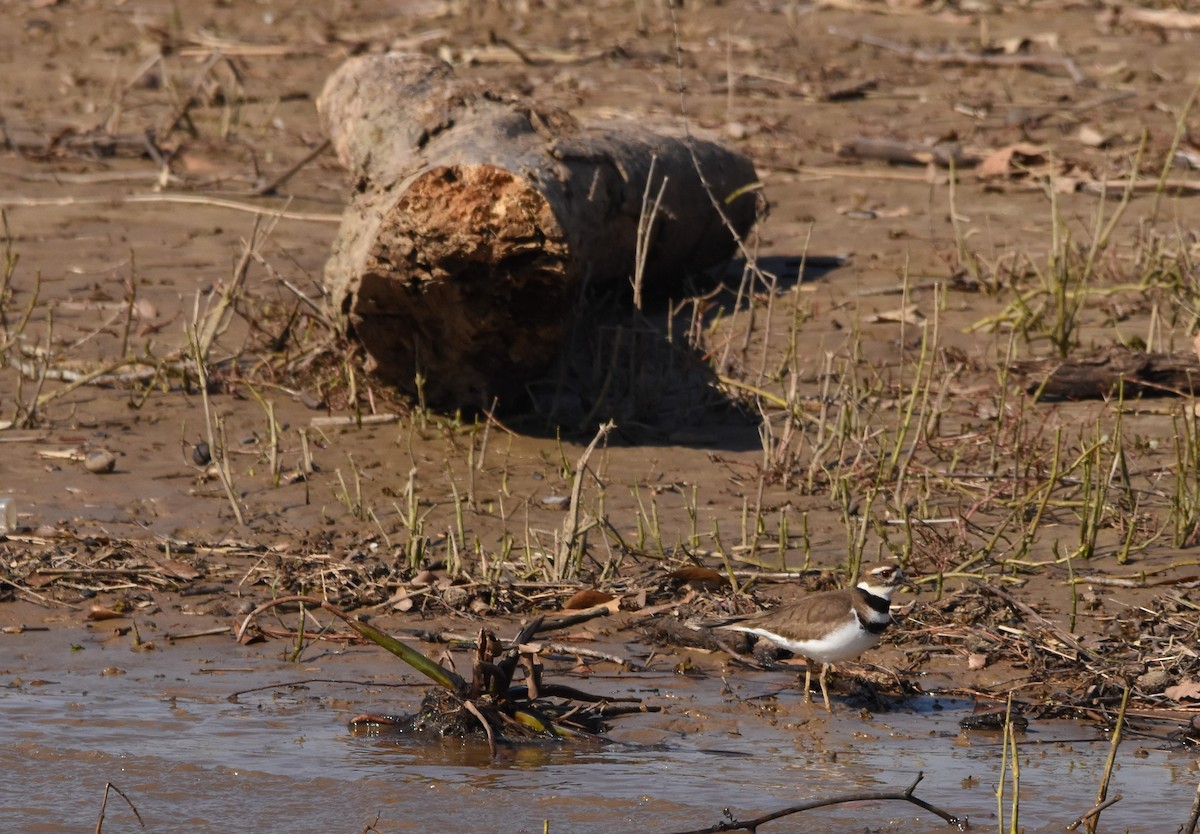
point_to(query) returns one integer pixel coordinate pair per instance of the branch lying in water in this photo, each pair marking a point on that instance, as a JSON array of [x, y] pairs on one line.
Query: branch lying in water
[[905, 795]]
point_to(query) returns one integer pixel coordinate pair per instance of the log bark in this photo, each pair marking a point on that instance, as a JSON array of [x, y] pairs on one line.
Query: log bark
[[1101, 374], [477, 216]]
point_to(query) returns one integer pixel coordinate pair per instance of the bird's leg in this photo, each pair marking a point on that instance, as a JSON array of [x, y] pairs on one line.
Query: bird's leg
[[824, 689], [807, 681]]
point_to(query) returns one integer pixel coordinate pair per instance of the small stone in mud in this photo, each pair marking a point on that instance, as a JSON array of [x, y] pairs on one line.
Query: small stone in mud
[[201, 454], [455, 596], [310, 401], [1153, 681], [100, 461]]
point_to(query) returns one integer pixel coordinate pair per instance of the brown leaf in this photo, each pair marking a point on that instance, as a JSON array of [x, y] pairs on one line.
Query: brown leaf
[[583, 635], [1093, 138], [252, 634], [908, 314], [179, 570], [1187, 690], [99, 612], [1013, 46], [701, 577], [1066, 184], [37, 579], [1001, 164], [428, 577], [586, 598]]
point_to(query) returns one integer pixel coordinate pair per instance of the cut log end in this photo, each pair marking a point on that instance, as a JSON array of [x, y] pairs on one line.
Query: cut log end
[[462, 243]]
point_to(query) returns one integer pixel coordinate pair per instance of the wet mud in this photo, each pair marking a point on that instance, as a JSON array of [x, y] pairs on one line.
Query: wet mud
[[138, 143]]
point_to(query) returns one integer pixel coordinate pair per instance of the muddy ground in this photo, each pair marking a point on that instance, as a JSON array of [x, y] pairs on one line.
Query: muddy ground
[[140, 137]]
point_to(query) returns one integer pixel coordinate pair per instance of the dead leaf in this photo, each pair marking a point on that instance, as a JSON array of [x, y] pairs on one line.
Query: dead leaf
[[1164, 18], [252, 634], [583, 635], [1093, 138], [655, 610], [38, 579], [145, 310], [427, 578], [702, 577], [976, 661], [99, 612], [1066, 185], [1012, 46], [195, 163], [1188, 690], [587, 598], [908, 314], [179, 570], [1050, 40], [1003, 163]]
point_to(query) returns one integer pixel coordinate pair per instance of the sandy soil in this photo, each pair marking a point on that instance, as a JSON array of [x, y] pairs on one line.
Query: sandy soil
[[138, 133]]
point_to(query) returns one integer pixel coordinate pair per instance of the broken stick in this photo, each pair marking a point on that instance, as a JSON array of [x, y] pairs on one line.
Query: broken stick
[[1103, 372]]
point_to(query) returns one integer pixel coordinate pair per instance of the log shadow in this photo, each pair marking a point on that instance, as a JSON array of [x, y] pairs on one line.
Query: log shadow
[[649, 372]]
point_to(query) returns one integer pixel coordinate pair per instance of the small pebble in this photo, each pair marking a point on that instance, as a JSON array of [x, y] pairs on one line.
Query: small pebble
[[100, 461], [310, 401], [1153, 681], [201, 454]]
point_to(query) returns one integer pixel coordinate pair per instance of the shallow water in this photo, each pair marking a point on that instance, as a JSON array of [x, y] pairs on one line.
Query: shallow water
[[164, 731]]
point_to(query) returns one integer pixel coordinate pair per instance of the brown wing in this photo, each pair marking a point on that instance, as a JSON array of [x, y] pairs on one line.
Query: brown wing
[[804, 619]]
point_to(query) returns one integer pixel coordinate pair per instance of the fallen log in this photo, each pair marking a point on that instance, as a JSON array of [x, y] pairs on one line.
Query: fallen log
[[477, 216], [1102, 373]]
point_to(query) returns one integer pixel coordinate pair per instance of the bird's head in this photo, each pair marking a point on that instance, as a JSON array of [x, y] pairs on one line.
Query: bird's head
[[881, 580]]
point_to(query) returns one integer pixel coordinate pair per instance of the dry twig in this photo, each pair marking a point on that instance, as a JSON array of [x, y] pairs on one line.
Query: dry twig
[[928, 56], [104, 805]]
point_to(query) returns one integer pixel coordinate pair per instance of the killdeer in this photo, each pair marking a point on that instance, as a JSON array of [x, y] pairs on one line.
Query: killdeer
[[830, 626]]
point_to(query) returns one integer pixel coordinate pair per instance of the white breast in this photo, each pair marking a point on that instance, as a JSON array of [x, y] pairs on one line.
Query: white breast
[[847, 641]]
